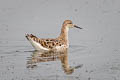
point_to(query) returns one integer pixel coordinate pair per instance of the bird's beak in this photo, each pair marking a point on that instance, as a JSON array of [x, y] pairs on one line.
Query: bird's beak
[[77, 27]]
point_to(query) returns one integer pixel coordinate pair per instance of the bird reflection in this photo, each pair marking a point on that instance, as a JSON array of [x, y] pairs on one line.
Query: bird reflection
[[46, 56]]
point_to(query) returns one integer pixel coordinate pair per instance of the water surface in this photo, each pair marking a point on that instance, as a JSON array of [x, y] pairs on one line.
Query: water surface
[[94, 52]]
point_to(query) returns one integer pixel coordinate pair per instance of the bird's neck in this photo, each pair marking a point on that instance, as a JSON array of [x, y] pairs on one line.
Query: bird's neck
[[64, 35]]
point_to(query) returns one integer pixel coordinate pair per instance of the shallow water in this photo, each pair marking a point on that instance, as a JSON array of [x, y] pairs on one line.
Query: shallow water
[[94, 51], [15, 63]]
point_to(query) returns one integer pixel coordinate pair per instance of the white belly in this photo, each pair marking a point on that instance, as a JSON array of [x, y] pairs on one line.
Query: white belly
[[37, 46]]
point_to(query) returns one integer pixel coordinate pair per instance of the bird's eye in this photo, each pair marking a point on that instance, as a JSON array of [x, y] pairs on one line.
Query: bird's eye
[[69, 23]]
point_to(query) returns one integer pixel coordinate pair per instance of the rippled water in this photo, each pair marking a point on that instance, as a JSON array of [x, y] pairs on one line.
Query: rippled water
[[21, 62], [94, 52]]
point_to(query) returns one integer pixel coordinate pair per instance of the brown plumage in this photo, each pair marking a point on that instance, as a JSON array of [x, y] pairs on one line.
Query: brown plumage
[[49, 43]]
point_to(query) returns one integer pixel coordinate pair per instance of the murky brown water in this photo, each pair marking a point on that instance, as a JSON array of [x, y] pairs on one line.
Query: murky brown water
[[94, 52]]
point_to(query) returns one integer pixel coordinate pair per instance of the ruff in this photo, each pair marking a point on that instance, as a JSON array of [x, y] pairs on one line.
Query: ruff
[[51, 44]]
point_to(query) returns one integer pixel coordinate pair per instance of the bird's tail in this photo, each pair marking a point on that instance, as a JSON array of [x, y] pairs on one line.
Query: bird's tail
[[30, 36]]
